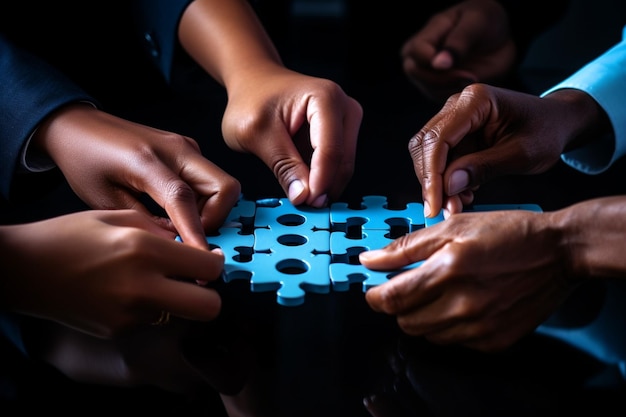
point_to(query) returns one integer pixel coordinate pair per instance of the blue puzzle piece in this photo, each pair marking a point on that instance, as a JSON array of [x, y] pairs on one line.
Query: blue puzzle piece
[[273, 212], [304, 242], [429, 221], [290, 277], [343, 247], [232, 242], [243, 212], [374, 214], [343, 275]]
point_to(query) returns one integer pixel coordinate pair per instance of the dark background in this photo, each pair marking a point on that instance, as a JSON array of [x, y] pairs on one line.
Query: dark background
[[322, 357]]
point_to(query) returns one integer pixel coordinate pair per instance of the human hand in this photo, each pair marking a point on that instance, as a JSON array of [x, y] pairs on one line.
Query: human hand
[[466, 43], [303, 128], [110, 163], [485, 132], [487, 279], [103, 272]]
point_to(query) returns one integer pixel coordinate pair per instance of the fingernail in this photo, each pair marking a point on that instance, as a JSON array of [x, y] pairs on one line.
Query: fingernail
[[459, 180], [426, 209], [320, 201], [295, 189], [444, 60]]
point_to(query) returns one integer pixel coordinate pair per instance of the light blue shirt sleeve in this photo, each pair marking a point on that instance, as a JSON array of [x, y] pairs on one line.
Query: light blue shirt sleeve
[[604, 79]]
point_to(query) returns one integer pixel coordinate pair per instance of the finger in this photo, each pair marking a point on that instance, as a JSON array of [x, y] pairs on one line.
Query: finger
[[403, 293], [187, 300], [216, 191], [140, 219], [276, 148], [424, 45], [461, 38], [443, 60], [403, 251], [181, 266], [178, 200], [462, 115], [334, 125], [429, 157]]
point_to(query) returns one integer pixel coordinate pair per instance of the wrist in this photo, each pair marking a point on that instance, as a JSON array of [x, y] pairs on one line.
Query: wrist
[[586, 119]]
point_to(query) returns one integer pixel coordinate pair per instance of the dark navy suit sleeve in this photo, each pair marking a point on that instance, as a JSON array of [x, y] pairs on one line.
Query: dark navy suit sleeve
[[157, 24], [29, 91]]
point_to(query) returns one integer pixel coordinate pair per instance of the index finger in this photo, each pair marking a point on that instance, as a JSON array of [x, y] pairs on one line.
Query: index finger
[[431, 146], [334, 125], [178, 200], [181, 298]]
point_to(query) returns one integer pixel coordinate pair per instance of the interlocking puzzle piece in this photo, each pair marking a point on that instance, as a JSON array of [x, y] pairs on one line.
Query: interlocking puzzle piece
[[243, 212], [304, 242], [343, 275], [343, 272], [342, 247], [290, 276], [273, 212], [374, 214], [235, 245], [232, 242]]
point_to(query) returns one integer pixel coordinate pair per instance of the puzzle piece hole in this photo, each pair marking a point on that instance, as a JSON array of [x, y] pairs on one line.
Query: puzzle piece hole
[[397, 228], [292, 240], [354, 227], [350, 257], [353, 255], [244, 253], [292, 266], [291, 219]]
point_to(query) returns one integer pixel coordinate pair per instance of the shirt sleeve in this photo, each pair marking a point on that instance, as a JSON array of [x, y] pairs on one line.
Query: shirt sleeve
[[604, 79], [30, 90], [156, 22]]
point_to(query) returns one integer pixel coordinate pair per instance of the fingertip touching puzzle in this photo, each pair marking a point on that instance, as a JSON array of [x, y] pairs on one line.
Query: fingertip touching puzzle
[[291, 250]]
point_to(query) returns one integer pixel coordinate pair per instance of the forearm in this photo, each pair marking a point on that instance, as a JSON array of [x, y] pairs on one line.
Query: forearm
[[226, 38], [594, 233]]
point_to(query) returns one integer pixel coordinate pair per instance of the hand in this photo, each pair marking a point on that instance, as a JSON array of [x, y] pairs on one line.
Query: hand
[[110, 162], [103, 272], [303, 128], [485, 132], [488, 278], [466, 43]]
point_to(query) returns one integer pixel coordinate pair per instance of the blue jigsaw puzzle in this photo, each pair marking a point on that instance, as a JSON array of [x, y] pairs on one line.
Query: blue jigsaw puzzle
[[292, 251]]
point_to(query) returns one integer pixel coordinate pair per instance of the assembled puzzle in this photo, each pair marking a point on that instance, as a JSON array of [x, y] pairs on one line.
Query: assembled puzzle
[[291, 250]]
